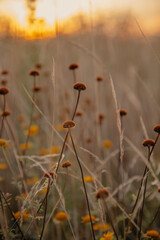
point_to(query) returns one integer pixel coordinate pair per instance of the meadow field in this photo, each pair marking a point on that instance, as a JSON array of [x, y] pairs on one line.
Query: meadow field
[[79, 135]]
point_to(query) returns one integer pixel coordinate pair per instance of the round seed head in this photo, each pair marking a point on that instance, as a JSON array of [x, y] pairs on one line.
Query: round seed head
[[148, 143], [38, 65], [157, 128], [122, 112], [79, 86], [4, 72], [99, 79], [36, 89], [50, 175], [34, 73], [78, 114], [68, 124], [73, 66], [4, 91], [5, 113], [66, 164], [4, 82], [102, 193]]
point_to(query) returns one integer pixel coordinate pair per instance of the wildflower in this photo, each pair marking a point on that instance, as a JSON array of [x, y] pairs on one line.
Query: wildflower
[[148, 143], [4, 72], [86, 219], [34, 73], [73, 66], [61, 216], [5, 113], [36, 89], [44, 152], [102, 193], [78, 113], [101, 226], [66, 164], [3, 166], [3, 143], [79, 86], [55, 149], [33, 130], [107, 144], [122, 112], [24, 146], [99, 79], [152, 234], [88, 179], [107, 236], [24, 195], [4, 82], [24, 215], [38, 65]]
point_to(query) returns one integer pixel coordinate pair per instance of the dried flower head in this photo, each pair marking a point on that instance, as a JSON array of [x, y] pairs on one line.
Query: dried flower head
[[4, 72], [34, 73], [50, 174], [68, 124], [79, 86], [4, 91], [66, 164], [101, 117], [99, 79], [61, 216], [89, 140], [38, 65], [152, 234], [148, 143], [36, 89], [122, 112], [4, 82], [157, 128], [5, 113], [79, 113], [86, 219], [73, 66], [102, 193]]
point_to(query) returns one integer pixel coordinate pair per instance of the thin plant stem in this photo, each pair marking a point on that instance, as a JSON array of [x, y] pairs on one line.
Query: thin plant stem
[[78, 97], [2, 122], [45, 209], [4, 219], [154, 218], [86, 195]]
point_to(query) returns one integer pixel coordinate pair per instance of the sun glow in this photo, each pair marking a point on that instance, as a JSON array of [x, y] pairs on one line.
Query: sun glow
[[42, 18]]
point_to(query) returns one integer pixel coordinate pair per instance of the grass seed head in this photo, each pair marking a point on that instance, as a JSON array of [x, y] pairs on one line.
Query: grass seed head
[[4, 91], [73, 66], [148, 143], [69, 124], [79, 86], [157, 128]]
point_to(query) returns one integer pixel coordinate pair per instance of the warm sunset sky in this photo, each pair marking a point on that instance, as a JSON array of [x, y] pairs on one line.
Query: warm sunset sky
[[147, 11]]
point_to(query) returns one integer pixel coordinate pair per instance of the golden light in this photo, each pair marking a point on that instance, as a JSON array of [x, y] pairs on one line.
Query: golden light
[[48, 12]]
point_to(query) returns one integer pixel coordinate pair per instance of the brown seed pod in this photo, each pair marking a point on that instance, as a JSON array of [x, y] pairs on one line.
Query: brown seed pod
[[36, 89], [102, 193], [5, 113], [157, 128], [66, 164], [79, 86], [79, 113], [4, 91], [73, 66], [50, 174], [4, 72], [99, 79], [68, 124], [122, 112], [34, 73], [4, 82], [148, 143], [38, 65]]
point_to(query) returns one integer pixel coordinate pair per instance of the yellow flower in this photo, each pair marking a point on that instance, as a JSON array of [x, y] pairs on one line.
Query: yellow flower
[[24, 215], [44, 152], [3, 166], [107, 236], [32, 181], [153, 234], [101, 226], [86, 219], [24, 195], [33, 130], [107, 144], [24, 146], [61, 216], [88, 179], [55, 149], [3, 143]]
